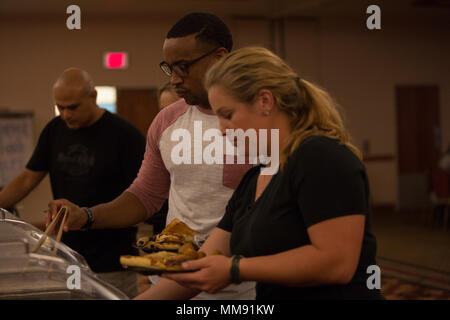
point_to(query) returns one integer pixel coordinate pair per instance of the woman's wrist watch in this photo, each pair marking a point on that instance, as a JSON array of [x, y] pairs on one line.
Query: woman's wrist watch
[[90, 219], [235, 275]]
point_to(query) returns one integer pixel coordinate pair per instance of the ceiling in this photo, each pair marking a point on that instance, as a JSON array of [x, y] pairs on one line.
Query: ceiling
[[247, 8]]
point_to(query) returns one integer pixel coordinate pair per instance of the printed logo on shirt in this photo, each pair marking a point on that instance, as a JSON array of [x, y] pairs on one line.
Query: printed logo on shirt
[[76, 161], [240, 147]]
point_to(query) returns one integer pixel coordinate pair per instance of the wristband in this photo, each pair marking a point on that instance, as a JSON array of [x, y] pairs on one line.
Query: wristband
[[235, 276], [90, 220]]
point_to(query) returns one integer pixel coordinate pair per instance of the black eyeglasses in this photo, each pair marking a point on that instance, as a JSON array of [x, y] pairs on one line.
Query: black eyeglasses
[[181, 68]]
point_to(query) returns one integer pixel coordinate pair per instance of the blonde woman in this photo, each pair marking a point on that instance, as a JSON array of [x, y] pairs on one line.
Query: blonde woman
[[304, 232]]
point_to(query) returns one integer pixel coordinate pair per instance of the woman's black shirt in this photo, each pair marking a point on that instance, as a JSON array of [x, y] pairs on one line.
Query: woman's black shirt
[[321, 180]]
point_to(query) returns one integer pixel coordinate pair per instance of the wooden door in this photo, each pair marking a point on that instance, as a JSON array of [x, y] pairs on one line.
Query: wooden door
[[418, 141], [139, 106]]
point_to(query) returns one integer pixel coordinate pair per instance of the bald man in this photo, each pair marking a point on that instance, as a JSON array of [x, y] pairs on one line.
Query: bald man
[[92, 156]]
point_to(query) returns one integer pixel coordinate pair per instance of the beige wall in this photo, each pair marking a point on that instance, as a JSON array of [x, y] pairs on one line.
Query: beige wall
[[35, 52], [359, 67]]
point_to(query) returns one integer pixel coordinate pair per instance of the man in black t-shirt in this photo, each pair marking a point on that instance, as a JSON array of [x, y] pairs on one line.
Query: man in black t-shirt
[[92, 156]]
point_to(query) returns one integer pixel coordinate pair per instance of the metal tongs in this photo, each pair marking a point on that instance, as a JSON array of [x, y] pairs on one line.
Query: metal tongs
[[62, 212]]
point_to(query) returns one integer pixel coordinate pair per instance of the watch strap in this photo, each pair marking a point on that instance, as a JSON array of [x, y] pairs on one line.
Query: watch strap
[[234, 271], [90, 220]]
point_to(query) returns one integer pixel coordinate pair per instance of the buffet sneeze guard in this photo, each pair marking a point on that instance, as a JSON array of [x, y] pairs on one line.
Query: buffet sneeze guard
[[53, 271]]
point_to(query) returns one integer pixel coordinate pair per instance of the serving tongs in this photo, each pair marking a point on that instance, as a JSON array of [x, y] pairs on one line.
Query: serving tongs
[[62, 212]]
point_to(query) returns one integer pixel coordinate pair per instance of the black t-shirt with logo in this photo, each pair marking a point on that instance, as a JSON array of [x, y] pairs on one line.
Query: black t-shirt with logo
[[321, 180], [89, 166]]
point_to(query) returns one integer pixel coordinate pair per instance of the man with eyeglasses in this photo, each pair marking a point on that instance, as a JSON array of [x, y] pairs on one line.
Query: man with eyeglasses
[[179, 70], [198, 193]]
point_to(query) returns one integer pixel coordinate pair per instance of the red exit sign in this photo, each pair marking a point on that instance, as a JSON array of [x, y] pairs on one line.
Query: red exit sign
[[116, 60]]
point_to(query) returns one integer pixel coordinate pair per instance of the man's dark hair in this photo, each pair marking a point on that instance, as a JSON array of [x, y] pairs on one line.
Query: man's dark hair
[[209, 29]]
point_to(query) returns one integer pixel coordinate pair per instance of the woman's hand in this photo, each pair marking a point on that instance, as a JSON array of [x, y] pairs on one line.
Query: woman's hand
[[214, 274], [76, 217]]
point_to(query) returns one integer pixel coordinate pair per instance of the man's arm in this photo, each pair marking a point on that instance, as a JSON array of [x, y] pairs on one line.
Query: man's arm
[[20, 187], [124, 211]]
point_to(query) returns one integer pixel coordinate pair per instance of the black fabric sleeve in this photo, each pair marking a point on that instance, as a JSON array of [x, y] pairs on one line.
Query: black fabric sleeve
[[330, 183], [39, 160], [132, 148], [239, 198], [226, 223]]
